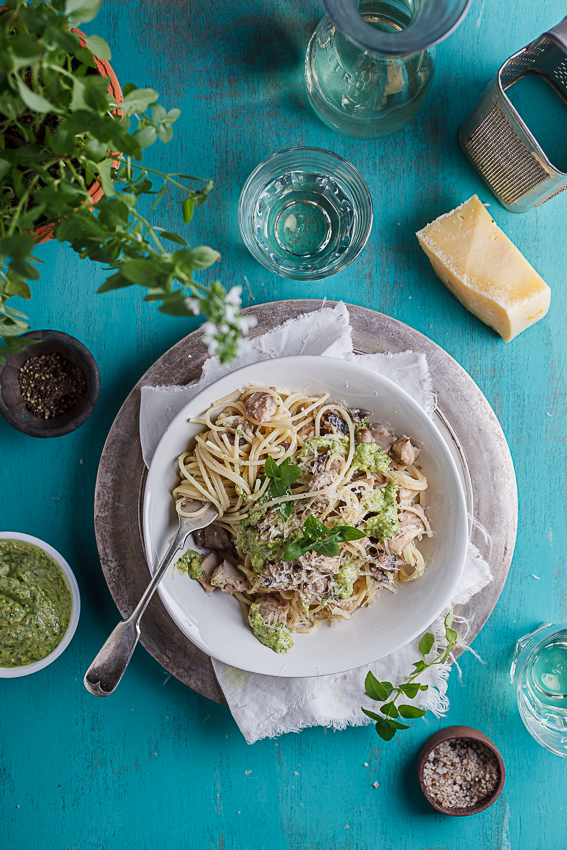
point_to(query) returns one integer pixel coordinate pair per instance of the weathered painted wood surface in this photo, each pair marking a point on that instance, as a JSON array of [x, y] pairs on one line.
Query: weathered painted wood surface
[[156, 764]]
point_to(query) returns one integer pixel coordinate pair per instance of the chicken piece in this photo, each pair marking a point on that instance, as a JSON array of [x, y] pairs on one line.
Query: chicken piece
[[410, 527], [321, 563], [307, 432], [313, 591], [363, 435], [383, 437], [406, 497], [212, 537], [273, 608], [229, 579], [260, 406], [333, 423], [324, 479], [404, 453], [382, 565], [359, 414], [209, 564]]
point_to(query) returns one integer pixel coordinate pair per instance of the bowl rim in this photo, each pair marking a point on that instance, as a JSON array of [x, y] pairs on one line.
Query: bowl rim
[[35, 666], [70, 343], [301, 361], [465, 733]]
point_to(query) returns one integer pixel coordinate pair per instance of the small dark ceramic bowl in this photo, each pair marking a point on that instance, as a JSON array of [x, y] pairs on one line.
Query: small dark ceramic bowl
[[454, 733], [12, 405]]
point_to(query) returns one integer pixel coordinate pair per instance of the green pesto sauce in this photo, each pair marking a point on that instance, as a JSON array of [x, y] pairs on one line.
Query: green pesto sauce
[[336, 446], [343, 581], [384, 504], [190, 564], [260, 550], [274, 637], [370, 458], [35, 603]]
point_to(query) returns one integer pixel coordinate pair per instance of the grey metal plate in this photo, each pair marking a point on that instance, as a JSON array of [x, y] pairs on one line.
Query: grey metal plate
[[465, 418]]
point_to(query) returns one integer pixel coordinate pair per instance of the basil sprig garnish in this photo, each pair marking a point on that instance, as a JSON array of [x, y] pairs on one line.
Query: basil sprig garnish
[[281, 478], [321, 539]]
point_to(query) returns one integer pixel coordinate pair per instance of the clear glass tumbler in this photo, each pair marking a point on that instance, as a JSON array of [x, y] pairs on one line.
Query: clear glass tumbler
[[370, 63], [305, 213], [539, 676]]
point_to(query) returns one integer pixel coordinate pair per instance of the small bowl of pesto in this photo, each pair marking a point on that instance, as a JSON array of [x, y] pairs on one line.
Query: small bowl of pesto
[[39, 604]]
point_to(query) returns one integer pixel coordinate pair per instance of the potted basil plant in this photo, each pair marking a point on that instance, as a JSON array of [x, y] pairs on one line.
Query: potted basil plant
[[71, 145]]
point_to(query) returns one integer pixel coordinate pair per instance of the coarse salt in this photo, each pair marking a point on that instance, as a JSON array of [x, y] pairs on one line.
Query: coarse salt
[[461, 773]]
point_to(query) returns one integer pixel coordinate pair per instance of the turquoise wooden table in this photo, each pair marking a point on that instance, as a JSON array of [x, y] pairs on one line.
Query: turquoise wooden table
[[156, 765]]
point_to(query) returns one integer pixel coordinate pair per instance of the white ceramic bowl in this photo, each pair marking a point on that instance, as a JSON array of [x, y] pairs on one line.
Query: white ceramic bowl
[[27, 669], [215, 623]]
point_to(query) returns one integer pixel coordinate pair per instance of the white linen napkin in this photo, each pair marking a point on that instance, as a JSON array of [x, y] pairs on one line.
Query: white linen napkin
[[268, 706]]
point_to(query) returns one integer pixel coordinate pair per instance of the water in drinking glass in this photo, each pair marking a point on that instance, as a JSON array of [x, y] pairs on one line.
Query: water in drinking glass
[[305, 213]]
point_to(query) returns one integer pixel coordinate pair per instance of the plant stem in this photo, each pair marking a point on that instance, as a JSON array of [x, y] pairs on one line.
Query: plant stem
[[160, 174], [19, 208], [150, 230]]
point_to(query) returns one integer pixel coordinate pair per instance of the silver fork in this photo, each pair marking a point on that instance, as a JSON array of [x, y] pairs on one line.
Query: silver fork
[[104, 675]]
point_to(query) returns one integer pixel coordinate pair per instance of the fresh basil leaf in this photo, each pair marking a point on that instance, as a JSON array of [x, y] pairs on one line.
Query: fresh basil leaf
[[451, 636], [389, 709], [426, 643], [289, 472], [411, 711], [449, 618], [423, 687], [371, 714], [314, 528], [328, 547], [34, 101], [295, 550], [397, 725], [99, 47], [386, 730], [277, 488], [271, 468], [188, 209], [420, 666], [347, 532], [410, 689], [376, 690]]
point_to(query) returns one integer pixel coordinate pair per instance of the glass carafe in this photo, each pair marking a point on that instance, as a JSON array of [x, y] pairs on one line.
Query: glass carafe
[[370, 63], [539, 676]]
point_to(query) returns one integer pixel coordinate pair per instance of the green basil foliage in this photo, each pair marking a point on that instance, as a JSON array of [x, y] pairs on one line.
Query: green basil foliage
[[321, 539], [387, 722], [61, 133], [281, 478]]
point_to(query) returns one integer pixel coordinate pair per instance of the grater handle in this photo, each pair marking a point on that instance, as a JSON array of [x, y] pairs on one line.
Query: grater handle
[[559, 33]]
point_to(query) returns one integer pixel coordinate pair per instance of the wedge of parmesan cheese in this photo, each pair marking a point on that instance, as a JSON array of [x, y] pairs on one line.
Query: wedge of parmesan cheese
[[484, 269]]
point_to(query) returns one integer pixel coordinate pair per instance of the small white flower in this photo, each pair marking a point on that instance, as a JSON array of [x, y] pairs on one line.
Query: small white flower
[[193, 305], [243, 346], [224, 328], [247, 323], [230, 313], [233, 296], [209, 331]]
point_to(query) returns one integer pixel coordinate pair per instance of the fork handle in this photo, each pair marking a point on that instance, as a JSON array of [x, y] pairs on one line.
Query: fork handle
[[104, 675]]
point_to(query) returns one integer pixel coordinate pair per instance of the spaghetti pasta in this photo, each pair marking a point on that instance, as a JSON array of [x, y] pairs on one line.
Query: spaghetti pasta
[[331, 463]]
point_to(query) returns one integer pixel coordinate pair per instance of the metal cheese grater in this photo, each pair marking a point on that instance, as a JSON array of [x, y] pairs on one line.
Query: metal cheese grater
[[498, 142]]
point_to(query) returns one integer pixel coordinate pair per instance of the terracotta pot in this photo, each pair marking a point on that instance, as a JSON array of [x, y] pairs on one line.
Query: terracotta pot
[[45, 232], [452, 733]]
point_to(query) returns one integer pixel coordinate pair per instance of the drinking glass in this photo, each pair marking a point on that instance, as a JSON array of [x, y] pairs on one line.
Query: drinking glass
[[370, 63], [305, 213], [539, 675]]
